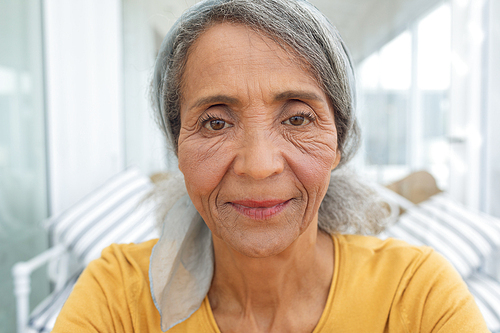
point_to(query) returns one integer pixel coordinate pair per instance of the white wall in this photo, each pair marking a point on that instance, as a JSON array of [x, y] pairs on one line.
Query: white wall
[[84, 96]]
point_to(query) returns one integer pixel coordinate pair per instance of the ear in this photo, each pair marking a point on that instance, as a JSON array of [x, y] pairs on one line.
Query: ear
[[337, 160]]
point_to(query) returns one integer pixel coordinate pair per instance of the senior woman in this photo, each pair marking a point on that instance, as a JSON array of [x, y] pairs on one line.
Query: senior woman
[[256, 97]]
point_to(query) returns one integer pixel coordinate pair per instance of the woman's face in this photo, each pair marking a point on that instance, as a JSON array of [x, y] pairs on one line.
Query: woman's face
[[257, 140]]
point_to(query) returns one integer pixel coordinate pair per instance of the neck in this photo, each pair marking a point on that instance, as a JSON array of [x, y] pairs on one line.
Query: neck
[[258, 290]]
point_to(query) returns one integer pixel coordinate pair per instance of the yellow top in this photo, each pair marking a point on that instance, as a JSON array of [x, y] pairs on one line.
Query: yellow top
[[377, 286]]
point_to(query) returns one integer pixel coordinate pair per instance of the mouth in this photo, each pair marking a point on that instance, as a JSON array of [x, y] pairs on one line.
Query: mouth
[[260, 210]]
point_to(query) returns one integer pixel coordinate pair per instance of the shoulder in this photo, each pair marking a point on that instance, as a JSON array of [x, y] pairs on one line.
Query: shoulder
[[373, 243], [126, 262], [380, 252], [398, 266], [397, 258], [132, 250], [409, 288], [113, 291], [124, 255], [389, 264]]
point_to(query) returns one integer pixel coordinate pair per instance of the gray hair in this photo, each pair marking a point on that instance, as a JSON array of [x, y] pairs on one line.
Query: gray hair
[[294, 25]]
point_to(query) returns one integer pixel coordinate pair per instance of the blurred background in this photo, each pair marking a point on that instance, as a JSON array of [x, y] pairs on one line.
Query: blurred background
[[74, 108]]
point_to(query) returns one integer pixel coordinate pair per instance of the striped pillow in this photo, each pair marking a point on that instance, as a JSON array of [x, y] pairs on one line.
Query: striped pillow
[[463, 236], [113, 213], [486, 292]]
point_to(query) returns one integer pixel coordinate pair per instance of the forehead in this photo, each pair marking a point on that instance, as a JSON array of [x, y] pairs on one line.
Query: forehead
[[231, 57], [235, 39]]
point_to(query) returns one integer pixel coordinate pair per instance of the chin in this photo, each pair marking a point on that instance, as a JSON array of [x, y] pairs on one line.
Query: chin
[[262, 242]]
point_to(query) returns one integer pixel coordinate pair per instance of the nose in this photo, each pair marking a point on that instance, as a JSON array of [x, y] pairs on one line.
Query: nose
[[259, 157]]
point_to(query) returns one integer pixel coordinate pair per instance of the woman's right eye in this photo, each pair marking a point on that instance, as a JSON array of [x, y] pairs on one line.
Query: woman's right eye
[[216, 124]]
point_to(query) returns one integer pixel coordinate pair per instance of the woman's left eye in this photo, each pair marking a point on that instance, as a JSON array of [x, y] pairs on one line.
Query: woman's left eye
[[297, 121]]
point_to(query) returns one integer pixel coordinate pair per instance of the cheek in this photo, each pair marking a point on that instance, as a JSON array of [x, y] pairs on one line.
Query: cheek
[[313, 173], [313, 165], [203, 164]]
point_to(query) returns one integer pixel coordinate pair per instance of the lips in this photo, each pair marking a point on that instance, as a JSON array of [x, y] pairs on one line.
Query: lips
[[260, 209]]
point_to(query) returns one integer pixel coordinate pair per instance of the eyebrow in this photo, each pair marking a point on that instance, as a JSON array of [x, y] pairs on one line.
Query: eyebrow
[[294, 94], [217, 99], [286, 95]]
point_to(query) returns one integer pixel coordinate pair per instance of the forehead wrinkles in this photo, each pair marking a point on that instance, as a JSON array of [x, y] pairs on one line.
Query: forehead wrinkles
[[272, 43]]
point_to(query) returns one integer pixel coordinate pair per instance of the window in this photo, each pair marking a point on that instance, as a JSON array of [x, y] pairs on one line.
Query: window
[[23, 190], [404, 101]]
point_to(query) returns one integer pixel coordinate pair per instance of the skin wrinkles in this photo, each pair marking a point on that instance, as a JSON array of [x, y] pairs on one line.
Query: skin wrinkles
[[237, 76], [255, 108], [308, 143]]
